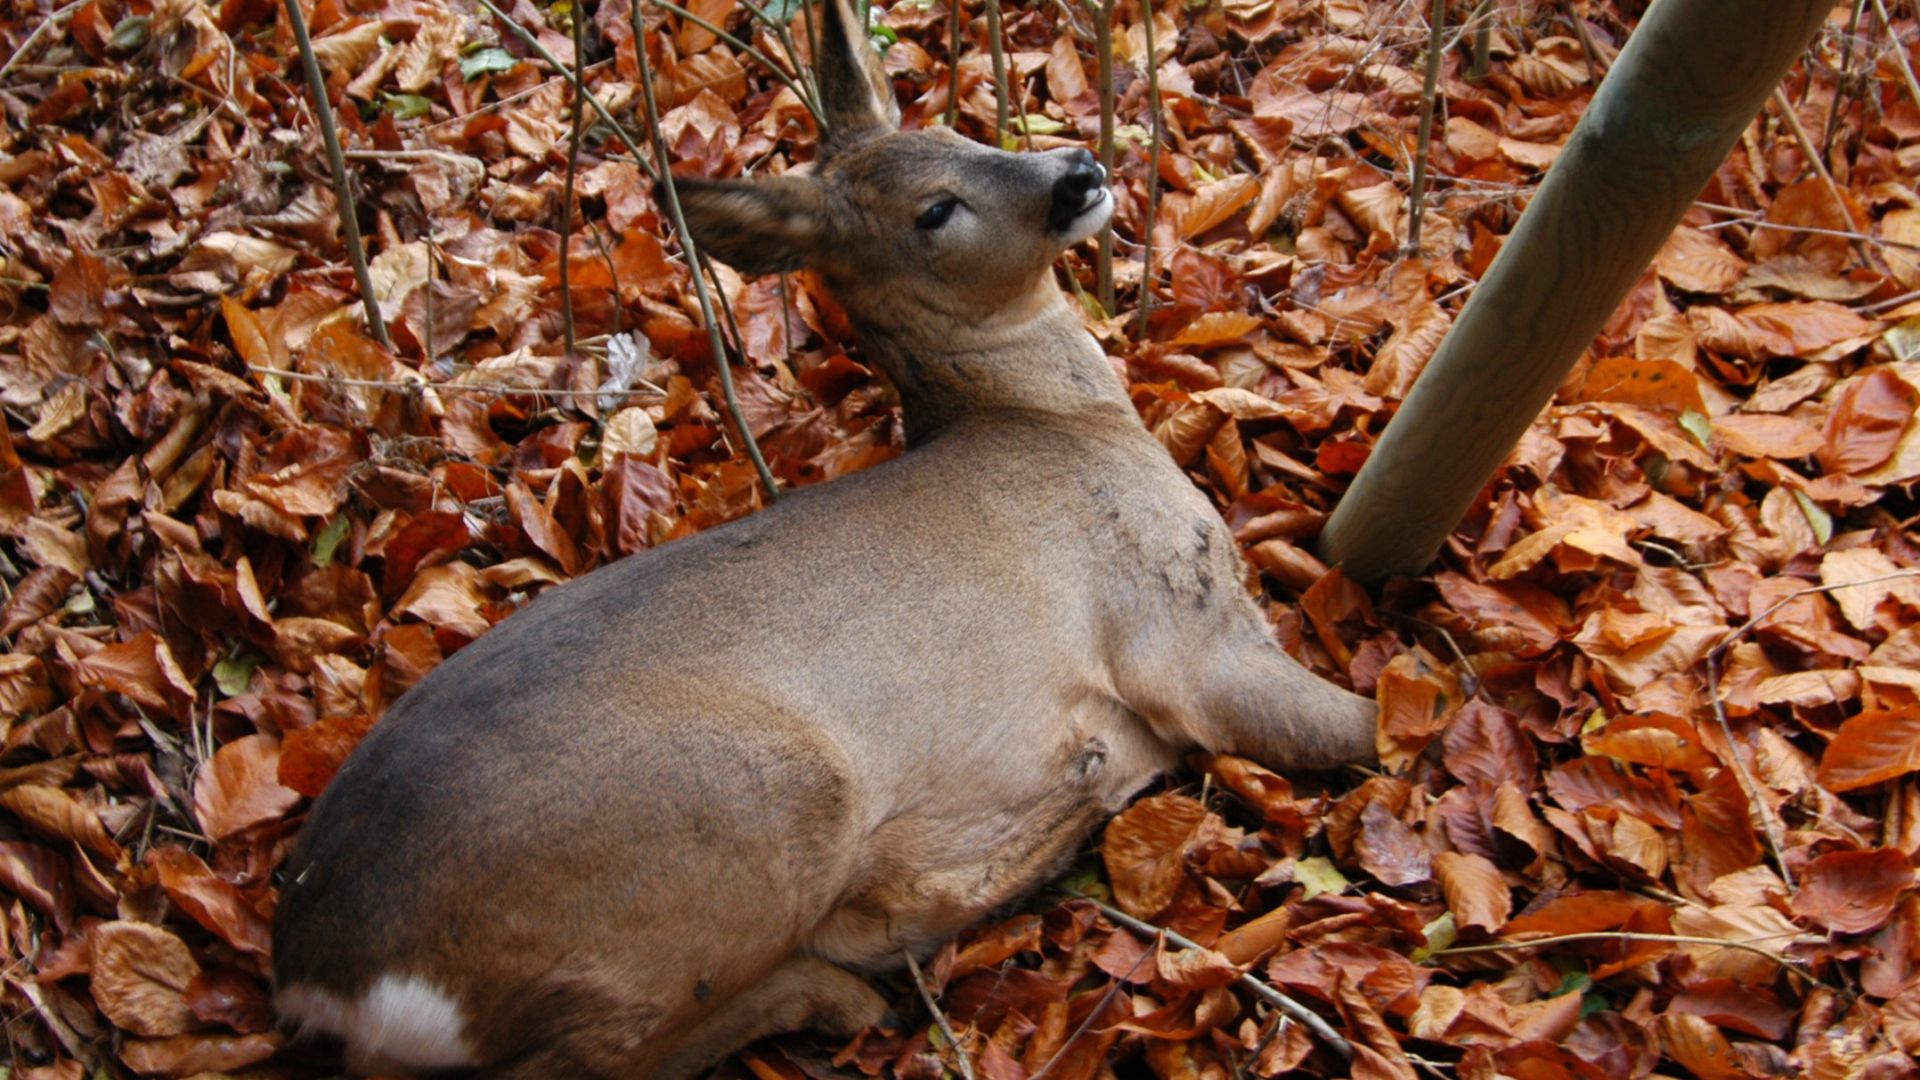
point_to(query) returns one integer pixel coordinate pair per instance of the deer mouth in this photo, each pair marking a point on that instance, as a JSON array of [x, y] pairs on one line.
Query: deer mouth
[[1076, 220]]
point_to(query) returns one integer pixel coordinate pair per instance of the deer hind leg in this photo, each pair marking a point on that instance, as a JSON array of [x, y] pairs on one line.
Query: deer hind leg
[[805, 992]]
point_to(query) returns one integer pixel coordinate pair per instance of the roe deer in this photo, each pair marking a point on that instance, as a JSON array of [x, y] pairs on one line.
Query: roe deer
[[685, 801]]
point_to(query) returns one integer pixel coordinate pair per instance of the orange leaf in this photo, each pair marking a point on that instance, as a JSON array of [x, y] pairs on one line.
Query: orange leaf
[[240, 787], [1871, 747], [1476, 893], [309, 756], [210, 900], [1145, 851], [1653, 384], [1852, 892], [1867, 421]]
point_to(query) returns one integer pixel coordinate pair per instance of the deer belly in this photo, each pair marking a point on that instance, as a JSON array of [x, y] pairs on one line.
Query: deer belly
[[928, 874]]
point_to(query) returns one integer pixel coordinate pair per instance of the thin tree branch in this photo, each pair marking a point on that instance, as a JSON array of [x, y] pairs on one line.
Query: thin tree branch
[[49, 23], [1307, 1017], [342, 182], [1899, 51], [811, 97], [1103, 268], [1818, 164], [765, 61], [1585, 37], [664, 177], [1153, 172], [998, 49], [414, 387], [531, 42], [1789, 963], [953, 62], [1772, 827], [1429, 91], [567, 337], [960, 1059], [1847, 55], [508, 100], [1106, 998]]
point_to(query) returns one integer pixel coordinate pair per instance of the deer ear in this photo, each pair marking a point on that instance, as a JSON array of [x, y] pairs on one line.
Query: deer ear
[[755, 226], [855, 93]]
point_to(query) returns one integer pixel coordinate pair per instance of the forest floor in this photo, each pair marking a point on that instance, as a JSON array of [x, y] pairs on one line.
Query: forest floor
[[1671, 662]]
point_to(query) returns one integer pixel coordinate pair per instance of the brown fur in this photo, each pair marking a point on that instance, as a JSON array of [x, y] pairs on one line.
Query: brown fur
[[677, 804]]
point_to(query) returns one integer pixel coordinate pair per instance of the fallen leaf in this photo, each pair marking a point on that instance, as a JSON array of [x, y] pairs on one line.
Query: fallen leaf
[[140, 976]]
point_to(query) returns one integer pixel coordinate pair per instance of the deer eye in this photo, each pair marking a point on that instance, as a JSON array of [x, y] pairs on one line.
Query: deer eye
[[936, 215]]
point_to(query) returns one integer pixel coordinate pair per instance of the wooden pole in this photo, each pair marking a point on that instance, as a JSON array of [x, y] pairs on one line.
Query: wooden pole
[[1688, 83]]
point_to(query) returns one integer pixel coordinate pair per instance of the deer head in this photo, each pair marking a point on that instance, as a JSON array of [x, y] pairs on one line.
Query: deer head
[[905, 225]]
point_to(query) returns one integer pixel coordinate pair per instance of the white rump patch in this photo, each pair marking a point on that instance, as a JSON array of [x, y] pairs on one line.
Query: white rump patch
[[402, 1020]]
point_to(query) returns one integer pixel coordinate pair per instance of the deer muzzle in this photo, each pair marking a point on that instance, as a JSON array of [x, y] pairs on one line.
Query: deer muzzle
[[1077, 195]]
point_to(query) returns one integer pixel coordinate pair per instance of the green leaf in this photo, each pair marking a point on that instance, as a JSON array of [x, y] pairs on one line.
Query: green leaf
[[488, 60], [406, 106], [234, 673], [329, 539], [1698, 426], [1319, 875], [1816, 516], [1572, 982], [130, 33], [887, 35], [1440, 933]]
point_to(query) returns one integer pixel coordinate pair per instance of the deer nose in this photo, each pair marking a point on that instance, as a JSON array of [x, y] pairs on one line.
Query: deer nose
[[1076, 191]]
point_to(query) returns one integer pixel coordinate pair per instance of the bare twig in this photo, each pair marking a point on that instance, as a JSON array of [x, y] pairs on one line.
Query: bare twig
[[342, 183], [997, 49], [765, 61], [1747, 627], [1899, 51], [526, 38], [569, 340], [1153, 172], [1840, 96], [1818, 163], [1482, 20], [1789, 963], [1587, 46], [508, 100], [1106, 998], [1773, 828], [48, 24], [1307, 1017], [781, 31], [1810, 230], [664, 177], [953, 61], [413, 387], [1429, 91], [1103, 268], [1889, 304], [960, 1059]]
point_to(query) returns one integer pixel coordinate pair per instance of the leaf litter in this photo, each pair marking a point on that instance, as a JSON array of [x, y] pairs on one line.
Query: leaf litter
[[1651, 726]]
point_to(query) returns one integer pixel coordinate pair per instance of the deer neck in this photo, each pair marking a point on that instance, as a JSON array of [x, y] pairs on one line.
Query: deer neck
[[1031, 359]]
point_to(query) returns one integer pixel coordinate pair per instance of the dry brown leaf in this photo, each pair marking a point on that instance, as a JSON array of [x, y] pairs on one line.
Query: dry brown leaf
[[1852, 892], [1476, 893], [1145, 848], [140, 977], [240, 788]]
